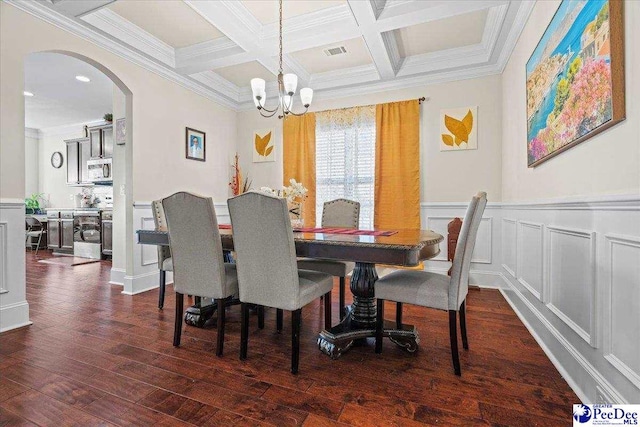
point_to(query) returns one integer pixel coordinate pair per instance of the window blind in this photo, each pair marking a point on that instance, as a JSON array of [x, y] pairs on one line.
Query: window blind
[[345, 159]]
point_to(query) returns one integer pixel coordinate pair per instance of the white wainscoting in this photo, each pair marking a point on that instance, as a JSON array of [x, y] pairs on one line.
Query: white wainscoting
[[572, 273], [621, 289], [14, 309]]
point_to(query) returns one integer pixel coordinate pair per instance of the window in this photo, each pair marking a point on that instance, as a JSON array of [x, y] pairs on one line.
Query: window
[[345, 159]]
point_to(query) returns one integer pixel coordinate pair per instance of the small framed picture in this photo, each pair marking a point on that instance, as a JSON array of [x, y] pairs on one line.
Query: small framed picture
[[121, 131], [196, 145]]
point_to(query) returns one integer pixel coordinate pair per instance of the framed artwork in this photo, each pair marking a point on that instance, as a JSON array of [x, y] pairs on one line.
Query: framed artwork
[[121, 131], [196, 145], [263, 148], [459, 129], [575, 77]]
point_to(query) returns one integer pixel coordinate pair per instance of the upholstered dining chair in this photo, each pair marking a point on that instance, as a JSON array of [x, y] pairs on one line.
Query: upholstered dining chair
[[165, 263], [340, 213], [198, 265], [436, 290], [35, 229], [268, 273]]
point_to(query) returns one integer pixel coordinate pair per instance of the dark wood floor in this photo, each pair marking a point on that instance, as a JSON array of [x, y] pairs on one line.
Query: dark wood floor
[[96, 357]]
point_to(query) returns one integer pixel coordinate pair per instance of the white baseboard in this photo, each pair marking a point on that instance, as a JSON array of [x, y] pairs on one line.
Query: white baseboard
[[117, 276], [14, 316], [564, 356], [134, 285]]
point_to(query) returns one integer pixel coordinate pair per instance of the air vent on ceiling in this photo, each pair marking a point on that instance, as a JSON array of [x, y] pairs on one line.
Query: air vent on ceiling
[[335, 51]]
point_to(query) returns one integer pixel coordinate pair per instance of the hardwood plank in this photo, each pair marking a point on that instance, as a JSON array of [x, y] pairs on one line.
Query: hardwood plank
[[114, 362], [10, 419]]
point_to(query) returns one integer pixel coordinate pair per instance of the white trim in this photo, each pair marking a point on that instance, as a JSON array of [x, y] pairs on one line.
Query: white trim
[[11, 203], [16, 315], [79, 28], [622, 367], [71, 128], [575, 354], [117, 276], [590, 336], [149, 281], [4, 252], [126, 31], [630, 202], [32, 133], [519, 254], [508, 269]]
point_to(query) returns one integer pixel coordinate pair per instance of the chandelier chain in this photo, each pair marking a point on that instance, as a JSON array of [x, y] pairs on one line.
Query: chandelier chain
[[280, 59]]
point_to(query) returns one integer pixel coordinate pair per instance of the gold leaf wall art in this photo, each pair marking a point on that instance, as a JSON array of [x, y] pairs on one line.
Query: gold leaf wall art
[[263, 146], [458, 129]]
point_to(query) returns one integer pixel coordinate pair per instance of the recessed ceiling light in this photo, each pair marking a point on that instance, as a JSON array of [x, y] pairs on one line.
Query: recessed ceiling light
[[83, 79], [25, 93]]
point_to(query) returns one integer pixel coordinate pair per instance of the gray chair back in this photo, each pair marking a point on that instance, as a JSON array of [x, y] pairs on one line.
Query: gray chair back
[[161, 225], [459, 284], [196, 248], [33, 223], [341, 213], [265, 250]]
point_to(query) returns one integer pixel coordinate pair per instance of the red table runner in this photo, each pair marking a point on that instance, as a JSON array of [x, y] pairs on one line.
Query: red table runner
[[329, 230], [351, 231]]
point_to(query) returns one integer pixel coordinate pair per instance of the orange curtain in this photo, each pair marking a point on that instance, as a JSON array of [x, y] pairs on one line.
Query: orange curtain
[[397, 182], [299, 159]]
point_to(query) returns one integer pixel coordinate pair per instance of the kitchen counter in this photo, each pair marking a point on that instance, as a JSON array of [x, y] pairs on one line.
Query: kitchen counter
[[79, 209]]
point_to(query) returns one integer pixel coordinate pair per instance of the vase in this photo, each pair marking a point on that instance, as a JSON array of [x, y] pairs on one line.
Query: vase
[[295, 214]]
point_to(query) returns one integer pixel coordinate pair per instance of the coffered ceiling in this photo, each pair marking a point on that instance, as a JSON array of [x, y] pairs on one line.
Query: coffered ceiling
[[216, 47]]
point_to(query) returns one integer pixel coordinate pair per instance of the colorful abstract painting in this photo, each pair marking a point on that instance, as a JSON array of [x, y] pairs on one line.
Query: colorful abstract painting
[[570, 88], [458, 129]]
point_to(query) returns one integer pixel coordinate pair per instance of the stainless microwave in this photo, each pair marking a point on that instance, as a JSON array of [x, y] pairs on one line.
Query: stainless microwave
[[100, 170]]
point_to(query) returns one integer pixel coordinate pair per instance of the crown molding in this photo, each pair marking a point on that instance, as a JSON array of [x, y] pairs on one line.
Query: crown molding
[[493, 27], [32, 133], [210, 47], [210, 78], [312, 21], [525, 8], [391, 45], [345, 77], [116, 26], [79, 28], [69, 129]]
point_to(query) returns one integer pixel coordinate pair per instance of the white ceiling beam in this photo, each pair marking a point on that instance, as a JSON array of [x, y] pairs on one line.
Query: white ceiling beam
[[366, 18], [209, 55], [79, 8], [407, 13], [232, 19]]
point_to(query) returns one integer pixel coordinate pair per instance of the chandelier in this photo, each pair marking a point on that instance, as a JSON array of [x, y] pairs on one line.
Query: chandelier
[[287, 84]]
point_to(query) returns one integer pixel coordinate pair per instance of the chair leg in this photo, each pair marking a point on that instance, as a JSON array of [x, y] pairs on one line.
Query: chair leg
[[453, 335], [327, 310], [398, 315], [244, 330], [261, 317], [221, 321], [342, 302], [163, 283], [39, 241], [296, 320], [177, 332], [279, 315], [463, 325], [379, 324]]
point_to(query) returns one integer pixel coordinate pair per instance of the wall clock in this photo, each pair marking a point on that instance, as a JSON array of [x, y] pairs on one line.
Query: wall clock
[[56, 160]]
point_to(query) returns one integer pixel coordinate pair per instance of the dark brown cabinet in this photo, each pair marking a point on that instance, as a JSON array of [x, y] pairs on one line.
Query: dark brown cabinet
[[78, 152]]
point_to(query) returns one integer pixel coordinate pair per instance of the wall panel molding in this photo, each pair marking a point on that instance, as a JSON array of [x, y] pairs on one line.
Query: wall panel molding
[[621, 290], [530, 257], [569, 297], [509, 245], [3, 256], [149, 253]]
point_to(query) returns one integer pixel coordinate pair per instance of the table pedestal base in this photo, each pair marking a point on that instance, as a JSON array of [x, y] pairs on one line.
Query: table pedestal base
[[359, 323]]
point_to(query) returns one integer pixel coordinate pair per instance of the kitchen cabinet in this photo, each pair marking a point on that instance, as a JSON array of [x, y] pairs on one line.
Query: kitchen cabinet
[[107, 233], [66, 230], [78, 152], [60, 231], [101, 141]]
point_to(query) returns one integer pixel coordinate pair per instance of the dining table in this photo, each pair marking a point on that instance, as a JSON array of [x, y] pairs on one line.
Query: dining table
[[399, 248]]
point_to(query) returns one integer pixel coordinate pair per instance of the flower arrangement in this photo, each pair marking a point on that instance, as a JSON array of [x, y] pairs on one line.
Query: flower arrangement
[[237, 184], [294, 192]]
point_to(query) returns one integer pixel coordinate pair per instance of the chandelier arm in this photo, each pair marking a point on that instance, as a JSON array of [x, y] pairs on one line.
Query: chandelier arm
[[298, 114], [273, 113]]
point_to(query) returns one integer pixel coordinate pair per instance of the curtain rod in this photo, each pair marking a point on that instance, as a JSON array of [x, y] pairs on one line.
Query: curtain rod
[[420, 101]]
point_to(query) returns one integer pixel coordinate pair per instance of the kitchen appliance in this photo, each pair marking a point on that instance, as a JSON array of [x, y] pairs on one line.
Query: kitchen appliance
[[107, 233], [87, 234], [100, 171]]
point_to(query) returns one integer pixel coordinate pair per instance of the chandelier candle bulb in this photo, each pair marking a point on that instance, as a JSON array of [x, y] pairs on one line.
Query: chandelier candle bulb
[[290, 83], [306, 95]]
